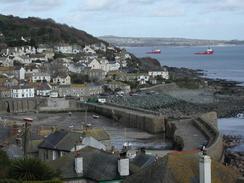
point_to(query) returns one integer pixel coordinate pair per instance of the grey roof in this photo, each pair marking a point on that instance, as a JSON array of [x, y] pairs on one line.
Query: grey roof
[[98, 165], [61, 140], [141, 161]]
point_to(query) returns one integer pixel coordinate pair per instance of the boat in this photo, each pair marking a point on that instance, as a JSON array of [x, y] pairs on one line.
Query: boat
[[157, 51], [240, 116], [95, 116], [209, 51]]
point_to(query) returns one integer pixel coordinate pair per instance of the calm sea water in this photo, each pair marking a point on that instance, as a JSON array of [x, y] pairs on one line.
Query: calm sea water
[[226, 63], [233, 126]]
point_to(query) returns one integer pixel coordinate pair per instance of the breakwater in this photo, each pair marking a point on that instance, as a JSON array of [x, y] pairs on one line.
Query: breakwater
[[131, 118]]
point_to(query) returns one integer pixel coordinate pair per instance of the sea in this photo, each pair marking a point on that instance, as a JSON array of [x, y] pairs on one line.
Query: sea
[[227, 62]]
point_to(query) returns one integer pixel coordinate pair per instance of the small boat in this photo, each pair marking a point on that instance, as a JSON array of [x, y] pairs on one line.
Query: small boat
[[209, 51], [95, 116], [157, 51], [240, 115]]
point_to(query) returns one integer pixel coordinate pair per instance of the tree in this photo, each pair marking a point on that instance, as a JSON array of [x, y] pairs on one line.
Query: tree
[[29, 169]]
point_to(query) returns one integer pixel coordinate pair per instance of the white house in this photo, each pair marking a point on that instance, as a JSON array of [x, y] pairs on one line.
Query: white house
[[22, 73], [94, 64], [39, 76], [22, 92], [143, 79], [113, 66], [164, 74], [65, 48]]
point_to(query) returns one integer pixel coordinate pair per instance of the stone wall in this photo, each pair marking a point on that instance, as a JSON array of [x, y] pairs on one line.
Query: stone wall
[[21, 105], [207, 123], [130, 118]]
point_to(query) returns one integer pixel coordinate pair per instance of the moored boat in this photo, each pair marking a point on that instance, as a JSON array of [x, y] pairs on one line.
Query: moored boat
[[209, 51], [157, 51]]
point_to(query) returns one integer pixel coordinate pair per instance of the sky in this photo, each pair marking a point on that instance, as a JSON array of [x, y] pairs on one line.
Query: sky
[[203, 19]]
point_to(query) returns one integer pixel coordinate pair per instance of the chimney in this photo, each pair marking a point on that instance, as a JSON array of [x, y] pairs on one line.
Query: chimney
[[79, 165], [123, 167], [205, 169]]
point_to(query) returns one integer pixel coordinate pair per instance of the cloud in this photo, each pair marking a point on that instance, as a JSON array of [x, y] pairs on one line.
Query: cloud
[[44, 5], [12, 1], [97, 5]]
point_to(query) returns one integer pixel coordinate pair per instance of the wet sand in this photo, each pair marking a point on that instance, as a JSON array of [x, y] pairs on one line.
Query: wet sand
[[118, 133]]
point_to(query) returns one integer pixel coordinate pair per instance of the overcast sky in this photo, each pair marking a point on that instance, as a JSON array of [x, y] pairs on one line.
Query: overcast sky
[[207, 19]]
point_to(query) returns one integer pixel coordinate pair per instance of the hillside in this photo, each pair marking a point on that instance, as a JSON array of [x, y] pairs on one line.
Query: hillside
[[38, 31], [151, 41]]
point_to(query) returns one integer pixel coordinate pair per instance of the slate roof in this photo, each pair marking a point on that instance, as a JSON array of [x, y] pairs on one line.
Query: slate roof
[[183, 168], [53, 139], [98, 165]]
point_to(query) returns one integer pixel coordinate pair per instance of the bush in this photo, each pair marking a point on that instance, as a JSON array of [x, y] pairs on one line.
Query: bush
[[4, 164], [30, 169]]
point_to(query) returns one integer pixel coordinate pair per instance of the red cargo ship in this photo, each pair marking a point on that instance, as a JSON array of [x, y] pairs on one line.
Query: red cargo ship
[[154, 52], [209, 51]]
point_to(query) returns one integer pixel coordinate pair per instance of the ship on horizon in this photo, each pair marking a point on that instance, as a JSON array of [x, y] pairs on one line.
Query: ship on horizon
[[157, 51], [209, 51]]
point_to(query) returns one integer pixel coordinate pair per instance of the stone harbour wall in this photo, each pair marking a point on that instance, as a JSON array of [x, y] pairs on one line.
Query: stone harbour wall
[[130, 118]]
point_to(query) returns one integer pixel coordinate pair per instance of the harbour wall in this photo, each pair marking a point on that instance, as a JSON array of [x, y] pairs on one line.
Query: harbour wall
[[206, 124], [21, 105], [131, 118]]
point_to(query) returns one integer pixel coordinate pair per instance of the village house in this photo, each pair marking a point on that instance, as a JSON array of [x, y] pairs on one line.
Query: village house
[[62, 79], [23, 59], [44, 48], [22, 91], [80, 90], [43, 89], [63, 48], [20, 73], [96, 74], [119, 86], [6, 62], [94, 64], [63, 142], [89, 50], [10, 82], [32, 68], [5, 92], [161, 73], [38, 57], [99, 46], [40, 77], [113, 66], [143, 79]]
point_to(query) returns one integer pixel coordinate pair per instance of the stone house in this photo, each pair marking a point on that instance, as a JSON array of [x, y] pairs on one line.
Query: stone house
[[43, 89], [62, 79]]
